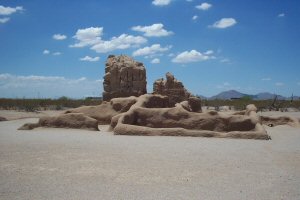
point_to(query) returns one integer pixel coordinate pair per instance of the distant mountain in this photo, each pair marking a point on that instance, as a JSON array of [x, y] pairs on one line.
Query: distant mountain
[[260, 96], [202, 97], [267, 95], [236, 94], [294, 98], [228, 95], [264, 96]]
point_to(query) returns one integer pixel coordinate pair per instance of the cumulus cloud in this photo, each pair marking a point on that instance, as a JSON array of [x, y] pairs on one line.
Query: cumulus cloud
[[88, 36], [124, 41], [281, 15], [33, 86], [90, 59], [151, 50], [224, 23], [46, 51], [4, 20], [155, 61], [59, 37], [154, 30], [204, 6], [57, 53], [9, 10], [192, 56], [195, 17], [91, 37], [161, 2]]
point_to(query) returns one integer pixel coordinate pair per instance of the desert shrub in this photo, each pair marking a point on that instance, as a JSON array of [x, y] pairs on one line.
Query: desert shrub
[[30, 108], [58, 107], [32, 105]]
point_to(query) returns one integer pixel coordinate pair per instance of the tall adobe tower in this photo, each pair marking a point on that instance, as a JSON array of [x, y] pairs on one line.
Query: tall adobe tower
[[123, 77]]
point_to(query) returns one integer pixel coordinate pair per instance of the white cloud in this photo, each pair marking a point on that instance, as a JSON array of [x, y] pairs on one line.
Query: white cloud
[[204, 6], [4, 20], [224, 23], [155, 48], [32, 86], [57, 53], [155, 61], [191, 56], [266, 79], [9, 10], [46, 51], [88, 36], [279, 84], [171, 55], [161, 2], [90, 59], [59, 37], [124, 41], [155, 30], [153, 56], [281, 15], [195, 17], [91, 37], [209, 52]]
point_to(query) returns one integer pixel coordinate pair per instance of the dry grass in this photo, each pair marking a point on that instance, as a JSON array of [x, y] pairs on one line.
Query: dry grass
[[32, 105]]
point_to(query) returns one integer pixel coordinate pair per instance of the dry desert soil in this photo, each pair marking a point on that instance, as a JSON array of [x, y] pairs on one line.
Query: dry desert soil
[[49, 163]]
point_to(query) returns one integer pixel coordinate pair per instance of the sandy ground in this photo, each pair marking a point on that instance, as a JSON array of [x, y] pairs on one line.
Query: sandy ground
[[78, 164], [278, 114], [13, 115]]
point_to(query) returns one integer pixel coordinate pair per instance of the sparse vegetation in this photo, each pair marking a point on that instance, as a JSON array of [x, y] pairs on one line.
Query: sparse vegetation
[[240, 104], [32, 105]]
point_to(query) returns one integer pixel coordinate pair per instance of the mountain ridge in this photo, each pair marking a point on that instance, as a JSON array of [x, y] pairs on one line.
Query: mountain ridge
[[232, 94]]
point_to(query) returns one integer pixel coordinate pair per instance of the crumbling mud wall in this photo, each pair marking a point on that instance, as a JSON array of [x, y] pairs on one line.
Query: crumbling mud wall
[[71, 120], [123, 77], [141, 119], [105, 111], [151, 115], [282, 120], [193, 104], [172, 88]]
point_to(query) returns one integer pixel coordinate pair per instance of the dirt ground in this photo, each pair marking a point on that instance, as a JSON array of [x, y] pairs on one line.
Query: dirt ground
[[78, 164]]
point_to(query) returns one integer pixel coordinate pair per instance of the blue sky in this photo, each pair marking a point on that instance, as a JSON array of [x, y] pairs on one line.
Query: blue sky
[[59, 47]]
